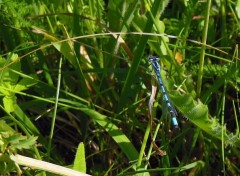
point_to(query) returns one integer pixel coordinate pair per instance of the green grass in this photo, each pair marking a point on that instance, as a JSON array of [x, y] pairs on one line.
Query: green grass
[[75, 84]]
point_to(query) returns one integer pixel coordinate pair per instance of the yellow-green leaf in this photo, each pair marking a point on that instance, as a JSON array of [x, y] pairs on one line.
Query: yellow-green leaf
[[80, 160]]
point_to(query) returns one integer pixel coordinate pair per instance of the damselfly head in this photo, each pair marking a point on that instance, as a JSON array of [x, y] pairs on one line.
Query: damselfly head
[[153, 59]]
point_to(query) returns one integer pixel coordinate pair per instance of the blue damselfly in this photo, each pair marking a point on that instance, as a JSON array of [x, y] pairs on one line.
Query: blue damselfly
[[156, 67]]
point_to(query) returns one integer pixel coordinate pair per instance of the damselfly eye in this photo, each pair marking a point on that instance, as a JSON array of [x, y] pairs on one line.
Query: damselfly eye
[[153, 59]]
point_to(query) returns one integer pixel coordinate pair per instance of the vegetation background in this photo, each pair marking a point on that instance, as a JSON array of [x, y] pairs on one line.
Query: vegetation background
[[75, 83]]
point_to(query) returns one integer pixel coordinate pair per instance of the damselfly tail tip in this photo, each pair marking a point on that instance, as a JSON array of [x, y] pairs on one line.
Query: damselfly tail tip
[[174, 121]]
